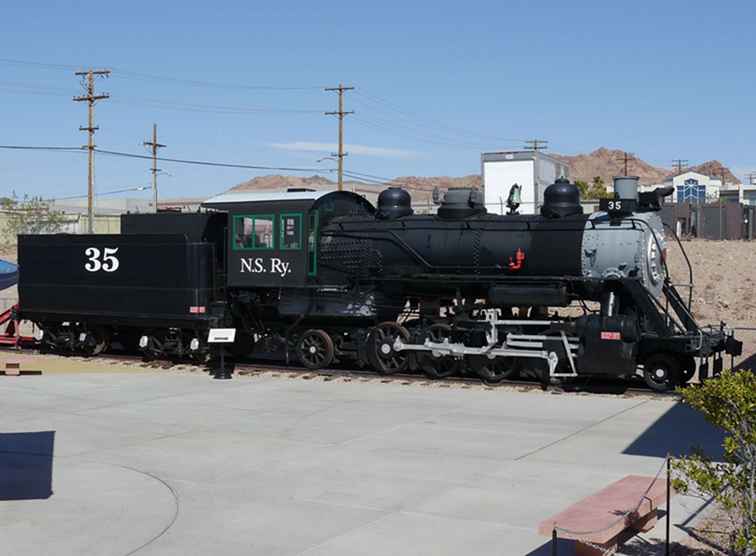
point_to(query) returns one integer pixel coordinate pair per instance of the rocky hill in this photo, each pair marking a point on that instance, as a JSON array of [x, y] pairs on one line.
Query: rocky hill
[[602, 162], [608, 163], [715, 168], [420, 187]]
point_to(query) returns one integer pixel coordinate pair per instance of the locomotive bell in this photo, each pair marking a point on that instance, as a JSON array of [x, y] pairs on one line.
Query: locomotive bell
[[561, 199], [394, 202]]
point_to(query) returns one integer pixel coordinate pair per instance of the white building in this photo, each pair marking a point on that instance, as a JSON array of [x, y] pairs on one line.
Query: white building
[[694, 187], [691, 187]]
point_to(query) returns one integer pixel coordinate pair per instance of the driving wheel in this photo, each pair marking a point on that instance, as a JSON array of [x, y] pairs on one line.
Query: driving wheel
[[494, 370], [438, 366], [380, 349]]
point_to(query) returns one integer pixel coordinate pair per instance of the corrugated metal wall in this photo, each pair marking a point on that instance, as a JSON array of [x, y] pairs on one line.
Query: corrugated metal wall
[[719, 221]]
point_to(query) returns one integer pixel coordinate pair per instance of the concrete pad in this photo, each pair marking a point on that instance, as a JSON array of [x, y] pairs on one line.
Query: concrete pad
[[285, 466]]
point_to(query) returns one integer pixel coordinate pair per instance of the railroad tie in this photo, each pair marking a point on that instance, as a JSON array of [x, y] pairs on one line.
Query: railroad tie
[[14, 369]]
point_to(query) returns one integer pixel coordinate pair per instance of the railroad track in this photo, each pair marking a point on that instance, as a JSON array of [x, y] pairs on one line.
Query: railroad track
[[248, 369]]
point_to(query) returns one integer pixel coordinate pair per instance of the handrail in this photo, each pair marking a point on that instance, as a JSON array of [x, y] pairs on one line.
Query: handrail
[[687, 261]]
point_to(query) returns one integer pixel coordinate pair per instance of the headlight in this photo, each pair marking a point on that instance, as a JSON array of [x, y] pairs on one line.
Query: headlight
[[654, 260]]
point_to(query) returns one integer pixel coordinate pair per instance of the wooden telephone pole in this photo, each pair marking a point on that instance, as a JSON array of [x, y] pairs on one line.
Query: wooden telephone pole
[[90, 99], [536, 145], [340, 113], [679, 164], [154, 145], [625, 159]]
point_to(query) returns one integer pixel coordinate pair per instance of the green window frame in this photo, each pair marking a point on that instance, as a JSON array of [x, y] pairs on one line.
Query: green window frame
[[252, 246], [312, 243], [282, 240]]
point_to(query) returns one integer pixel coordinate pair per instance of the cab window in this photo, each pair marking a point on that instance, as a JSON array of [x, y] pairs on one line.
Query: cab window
[[291, 231], [254, 232]]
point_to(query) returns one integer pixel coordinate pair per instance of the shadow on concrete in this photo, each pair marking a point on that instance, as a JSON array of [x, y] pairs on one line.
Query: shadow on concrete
[[26, 465], [658, 547], [747, 363], [564, 548], [678, 432], [634, 547]]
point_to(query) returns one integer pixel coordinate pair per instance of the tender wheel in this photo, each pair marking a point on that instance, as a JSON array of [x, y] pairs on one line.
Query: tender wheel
[[97, 341], [441, 366], [315, 349], [494, 370], [661, 372], [380, 348]]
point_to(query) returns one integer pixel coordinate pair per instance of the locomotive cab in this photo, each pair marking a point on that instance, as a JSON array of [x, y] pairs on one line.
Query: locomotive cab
[[273, 237]]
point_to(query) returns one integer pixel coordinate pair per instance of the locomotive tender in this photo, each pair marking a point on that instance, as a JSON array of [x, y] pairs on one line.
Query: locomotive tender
[[324, 277]]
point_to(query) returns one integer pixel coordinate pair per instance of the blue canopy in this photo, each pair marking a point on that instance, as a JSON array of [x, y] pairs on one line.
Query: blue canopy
[[8, 274]]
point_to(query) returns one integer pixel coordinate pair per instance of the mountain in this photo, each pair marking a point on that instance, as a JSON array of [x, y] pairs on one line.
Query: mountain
[[714, 168], [421, 188], [602, 162], [608, 163]]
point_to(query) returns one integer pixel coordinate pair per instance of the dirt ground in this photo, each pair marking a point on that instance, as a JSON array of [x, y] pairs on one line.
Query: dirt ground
[[724, 277]]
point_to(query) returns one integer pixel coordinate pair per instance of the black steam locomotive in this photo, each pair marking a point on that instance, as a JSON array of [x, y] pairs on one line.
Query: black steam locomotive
[[324, 277]]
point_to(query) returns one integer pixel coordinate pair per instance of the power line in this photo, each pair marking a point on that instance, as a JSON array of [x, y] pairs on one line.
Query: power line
[[428, 124], [447, 136], [210, 108], [39, 148], [113, 192], [163, 159], [39, 64], [391, 129], [159, 103], [210, 163], [124, 74], [91, 98]]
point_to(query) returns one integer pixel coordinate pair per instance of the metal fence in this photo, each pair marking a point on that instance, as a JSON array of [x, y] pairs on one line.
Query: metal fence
[[74, 224], [719, 221]]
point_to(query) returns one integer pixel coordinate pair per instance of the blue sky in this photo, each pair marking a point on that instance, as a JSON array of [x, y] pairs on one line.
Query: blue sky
[[436, 84]]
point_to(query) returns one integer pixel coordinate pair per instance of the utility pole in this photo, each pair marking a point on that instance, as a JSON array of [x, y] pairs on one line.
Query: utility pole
[[154, 145], [340, 113], [90, 99], [625, 159], [679, 163], [536, 145]]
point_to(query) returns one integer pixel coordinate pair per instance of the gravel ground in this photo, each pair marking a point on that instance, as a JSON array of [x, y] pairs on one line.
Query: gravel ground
[[724, 277]]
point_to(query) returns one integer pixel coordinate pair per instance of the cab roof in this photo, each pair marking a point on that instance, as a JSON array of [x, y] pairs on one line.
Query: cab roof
[[266, 196], [300, 199]]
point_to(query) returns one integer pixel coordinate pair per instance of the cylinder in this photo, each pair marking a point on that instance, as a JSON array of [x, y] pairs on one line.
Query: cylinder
[[626, 187]]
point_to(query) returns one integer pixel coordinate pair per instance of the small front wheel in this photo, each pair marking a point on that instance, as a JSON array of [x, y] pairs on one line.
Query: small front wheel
[[661, 372], [315, 349]]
